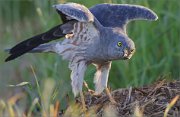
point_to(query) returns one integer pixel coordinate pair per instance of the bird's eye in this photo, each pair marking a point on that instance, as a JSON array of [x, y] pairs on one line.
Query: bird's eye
[[119, 44]]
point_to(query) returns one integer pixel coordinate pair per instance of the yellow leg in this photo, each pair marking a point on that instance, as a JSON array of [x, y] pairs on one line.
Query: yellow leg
[[89, 90], [83, 102], [110, 96]]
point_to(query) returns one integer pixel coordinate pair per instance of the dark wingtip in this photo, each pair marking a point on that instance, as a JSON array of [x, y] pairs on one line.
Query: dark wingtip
[[9, 58], [5, 60]]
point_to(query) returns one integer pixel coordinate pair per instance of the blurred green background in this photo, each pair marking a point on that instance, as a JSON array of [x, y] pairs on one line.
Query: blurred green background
[[157, 55]]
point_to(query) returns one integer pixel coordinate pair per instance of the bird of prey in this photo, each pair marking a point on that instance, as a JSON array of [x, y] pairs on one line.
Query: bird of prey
[[92, 36]]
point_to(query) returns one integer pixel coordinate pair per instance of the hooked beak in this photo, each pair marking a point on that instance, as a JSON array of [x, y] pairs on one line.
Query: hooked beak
[[128, 53]]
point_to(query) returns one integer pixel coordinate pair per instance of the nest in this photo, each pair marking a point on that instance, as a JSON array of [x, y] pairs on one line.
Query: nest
[[151, 101]]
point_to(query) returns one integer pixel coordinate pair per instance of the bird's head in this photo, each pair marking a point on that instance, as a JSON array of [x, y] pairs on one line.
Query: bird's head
[[122, 47]]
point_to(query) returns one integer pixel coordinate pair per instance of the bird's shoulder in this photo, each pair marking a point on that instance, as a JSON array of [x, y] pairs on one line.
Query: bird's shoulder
[[83, 33]]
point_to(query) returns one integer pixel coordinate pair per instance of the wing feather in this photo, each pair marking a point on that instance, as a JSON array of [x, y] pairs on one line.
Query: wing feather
[[118, 15], [71, 13], [74, 11]]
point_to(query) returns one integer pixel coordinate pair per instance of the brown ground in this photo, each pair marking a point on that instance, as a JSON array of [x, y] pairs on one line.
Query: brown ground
[[149, 101]]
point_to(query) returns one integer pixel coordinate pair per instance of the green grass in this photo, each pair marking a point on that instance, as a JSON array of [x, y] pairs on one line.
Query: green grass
[[157, 47]]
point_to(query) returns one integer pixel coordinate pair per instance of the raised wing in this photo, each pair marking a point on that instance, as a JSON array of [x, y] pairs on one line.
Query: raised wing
[[74, 11], [118, 15], [85, 27], [71, 13]]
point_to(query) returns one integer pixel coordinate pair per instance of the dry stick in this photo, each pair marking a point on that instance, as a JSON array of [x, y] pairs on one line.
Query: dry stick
[[38, 88], [56, 108], [157, 86], [170, 105]]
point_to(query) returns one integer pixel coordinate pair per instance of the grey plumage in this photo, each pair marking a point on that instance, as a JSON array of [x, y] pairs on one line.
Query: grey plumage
[[118, 15], [75, 11], [95, 36]]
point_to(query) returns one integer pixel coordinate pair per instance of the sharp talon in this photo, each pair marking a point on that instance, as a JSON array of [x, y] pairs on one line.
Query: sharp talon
[[87, 87], [91, 91]]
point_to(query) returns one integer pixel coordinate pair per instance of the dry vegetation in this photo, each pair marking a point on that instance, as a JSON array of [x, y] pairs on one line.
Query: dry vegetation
[[157, 100], [151, 101]]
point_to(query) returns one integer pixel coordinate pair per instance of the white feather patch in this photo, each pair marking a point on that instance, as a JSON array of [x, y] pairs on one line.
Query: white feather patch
[[77, 76], [101, 77]]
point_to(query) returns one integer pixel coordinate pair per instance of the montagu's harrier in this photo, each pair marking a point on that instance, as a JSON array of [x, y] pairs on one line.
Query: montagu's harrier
[[92, 36]]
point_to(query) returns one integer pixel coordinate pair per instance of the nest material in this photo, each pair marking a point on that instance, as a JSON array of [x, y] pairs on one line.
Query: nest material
[[148, 101]]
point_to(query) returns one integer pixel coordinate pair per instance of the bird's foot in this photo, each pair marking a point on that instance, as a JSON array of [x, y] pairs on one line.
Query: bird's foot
[[111, 99], [90, 91]]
